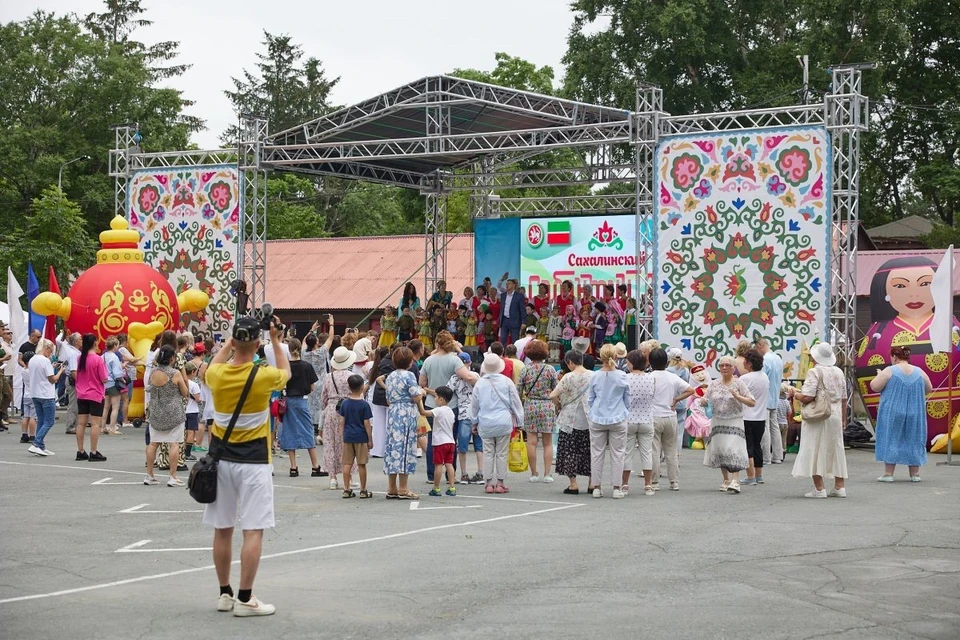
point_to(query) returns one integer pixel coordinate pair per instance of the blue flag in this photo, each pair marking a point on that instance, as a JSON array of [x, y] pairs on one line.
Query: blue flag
[[33, 290]]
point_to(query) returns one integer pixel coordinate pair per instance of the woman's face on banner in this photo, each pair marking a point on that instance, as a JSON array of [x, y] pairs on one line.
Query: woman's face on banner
[[908, 291]]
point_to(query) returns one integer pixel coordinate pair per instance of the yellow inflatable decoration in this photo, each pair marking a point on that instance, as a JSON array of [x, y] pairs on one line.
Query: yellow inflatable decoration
[[122, 294]]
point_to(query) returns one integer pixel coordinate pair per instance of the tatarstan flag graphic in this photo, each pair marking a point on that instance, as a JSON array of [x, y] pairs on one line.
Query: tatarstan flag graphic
[[558, 232]]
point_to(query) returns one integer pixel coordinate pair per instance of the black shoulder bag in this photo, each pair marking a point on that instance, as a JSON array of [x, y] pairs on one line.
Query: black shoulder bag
[[202, 482]]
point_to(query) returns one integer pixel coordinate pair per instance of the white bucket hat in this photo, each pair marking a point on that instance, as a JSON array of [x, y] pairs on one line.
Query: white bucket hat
[[621, 350], [342, 358], [822, 353], [492, 363]]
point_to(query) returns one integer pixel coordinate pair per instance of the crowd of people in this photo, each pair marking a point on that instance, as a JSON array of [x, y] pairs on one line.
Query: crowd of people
[[423, 392]]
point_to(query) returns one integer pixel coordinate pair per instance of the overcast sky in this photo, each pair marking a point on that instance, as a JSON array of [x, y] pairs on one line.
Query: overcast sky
[[373, 45]]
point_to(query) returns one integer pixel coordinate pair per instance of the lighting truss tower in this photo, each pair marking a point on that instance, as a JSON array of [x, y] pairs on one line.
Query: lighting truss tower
[[126, 144], [847, 115], [649, 110], [253, 222]]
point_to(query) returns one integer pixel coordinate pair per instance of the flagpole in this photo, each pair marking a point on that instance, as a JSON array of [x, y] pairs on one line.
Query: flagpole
[[950, 378]]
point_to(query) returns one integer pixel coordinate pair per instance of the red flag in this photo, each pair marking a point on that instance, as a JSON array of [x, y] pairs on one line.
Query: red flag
[[50, 328]]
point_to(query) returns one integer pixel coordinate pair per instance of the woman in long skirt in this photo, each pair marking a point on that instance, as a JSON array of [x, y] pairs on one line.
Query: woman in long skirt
[[317, 355], [727, 445], [296, 430], [335, 388], [821, 444], [400, 454], [383, 367], [573, 443], [902, 417]]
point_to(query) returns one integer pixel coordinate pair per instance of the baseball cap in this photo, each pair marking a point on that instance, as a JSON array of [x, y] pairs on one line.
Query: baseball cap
[[531, 329], [246, 329], [465, 357], [199, 348]]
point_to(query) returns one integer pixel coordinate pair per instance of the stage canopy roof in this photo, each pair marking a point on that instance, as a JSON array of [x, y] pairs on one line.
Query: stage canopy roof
[[415, 135]]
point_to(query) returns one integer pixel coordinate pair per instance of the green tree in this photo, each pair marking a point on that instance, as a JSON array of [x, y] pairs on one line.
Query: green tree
[[716, 56], [54, 234], [65, 83], [282, 90]]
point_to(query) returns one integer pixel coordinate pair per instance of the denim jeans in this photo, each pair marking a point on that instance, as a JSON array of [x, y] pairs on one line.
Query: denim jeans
[[46, 412], [465, 434]]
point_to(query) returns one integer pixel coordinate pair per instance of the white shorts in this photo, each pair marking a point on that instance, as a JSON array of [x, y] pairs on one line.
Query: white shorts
[[244, 491]]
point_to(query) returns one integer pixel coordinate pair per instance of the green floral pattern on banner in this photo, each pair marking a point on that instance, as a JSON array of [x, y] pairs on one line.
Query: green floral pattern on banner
[[742, 237], [188, 221]]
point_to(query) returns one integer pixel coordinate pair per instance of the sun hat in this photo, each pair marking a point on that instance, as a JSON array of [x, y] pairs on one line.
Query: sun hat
[[492, 363], [822, 353], [580, 344], [343, 358], [674, 353], [621, 350]]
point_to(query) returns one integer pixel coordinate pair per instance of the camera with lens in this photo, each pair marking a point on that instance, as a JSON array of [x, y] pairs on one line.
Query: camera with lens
[[265, 316]]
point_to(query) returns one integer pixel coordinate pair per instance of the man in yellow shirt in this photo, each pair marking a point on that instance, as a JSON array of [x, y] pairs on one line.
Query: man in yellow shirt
[[244, 475]]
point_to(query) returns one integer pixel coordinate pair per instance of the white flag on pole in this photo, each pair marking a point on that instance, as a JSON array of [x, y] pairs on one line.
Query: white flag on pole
[[18, 326], [941, 330]]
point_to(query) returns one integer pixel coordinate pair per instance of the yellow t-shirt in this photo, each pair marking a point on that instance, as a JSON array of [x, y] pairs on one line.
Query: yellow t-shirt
[[250, 440]]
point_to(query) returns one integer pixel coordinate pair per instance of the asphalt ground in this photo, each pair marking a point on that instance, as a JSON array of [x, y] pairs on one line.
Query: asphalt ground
[[89, 552]]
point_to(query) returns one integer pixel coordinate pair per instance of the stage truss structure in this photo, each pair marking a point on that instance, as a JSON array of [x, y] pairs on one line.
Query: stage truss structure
[[442, 134]]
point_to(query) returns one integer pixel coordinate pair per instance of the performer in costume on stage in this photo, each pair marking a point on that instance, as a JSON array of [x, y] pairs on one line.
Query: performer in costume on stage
[[901, 309]]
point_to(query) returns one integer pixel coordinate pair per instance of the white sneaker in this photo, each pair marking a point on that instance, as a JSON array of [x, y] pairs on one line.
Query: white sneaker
[[648, 491], [733, 487], [35, 450], [837, 493], [333, 484], [674, 486], [816, 494], [355, 484], [253, 608], [548, 479], [419, 452], [617, 494], [150, 480], [597, 493], [534, 478], [174, 482], [226, 602]]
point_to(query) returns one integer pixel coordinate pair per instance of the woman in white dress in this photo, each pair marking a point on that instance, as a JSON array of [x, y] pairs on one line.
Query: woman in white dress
[[821, 445], [727, 445]]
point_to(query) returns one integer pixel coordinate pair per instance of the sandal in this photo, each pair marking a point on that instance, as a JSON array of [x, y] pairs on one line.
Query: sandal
[[348, 493], [365, 494], [294, 472], [317, 472], [393, 496], [409, 495]]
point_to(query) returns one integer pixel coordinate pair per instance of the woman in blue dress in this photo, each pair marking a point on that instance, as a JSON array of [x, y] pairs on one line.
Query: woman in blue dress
[[902, 416], [400, 454]]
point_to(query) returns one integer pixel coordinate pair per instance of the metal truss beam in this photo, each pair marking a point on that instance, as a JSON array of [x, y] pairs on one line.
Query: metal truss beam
[[648, 129], [172, 159], [569, 204], [554, 177], [847, 117], [435, 234], [126, 146], [357, 171], [253, 222], [739, 120], [441, 146]]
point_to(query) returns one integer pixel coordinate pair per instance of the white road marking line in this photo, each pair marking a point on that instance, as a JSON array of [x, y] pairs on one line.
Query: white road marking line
[[105, 481], [102, 469], [139, 509], [336, 545], [415, 506], [135, 548]]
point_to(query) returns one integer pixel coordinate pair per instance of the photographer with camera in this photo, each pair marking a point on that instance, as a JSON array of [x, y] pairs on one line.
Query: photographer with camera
[[244, 474]]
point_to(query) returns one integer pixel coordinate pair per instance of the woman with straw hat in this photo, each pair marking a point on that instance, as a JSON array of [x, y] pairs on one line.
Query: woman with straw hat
[[335, 387], [821, 447]]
